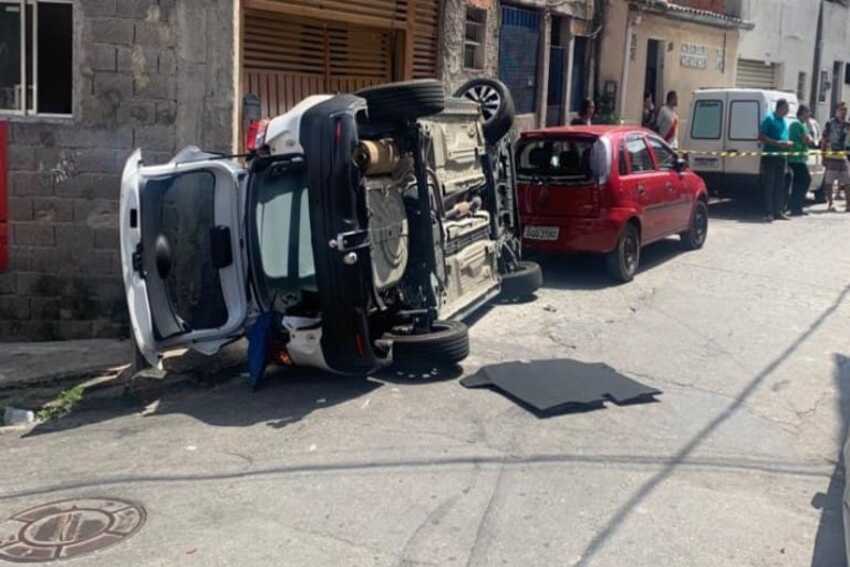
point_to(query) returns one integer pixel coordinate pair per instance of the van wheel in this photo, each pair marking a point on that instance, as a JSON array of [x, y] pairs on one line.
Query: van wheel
[[497, 106], [446, 344], [694, 237], [623, 261]]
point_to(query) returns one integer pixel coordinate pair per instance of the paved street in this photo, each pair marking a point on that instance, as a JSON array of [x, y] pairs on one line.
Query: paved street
[[736, 464]]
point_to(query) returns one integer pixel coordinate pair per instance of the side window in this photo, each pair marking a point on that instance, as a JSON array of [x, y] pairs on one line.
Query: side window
[[665, 156], [744, 116], [639, 155], [708, 120]]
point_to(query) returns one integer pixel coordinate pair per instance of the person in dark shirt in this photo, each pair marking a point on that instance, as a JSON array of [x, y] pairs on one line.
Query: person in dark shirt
[[585, 115], [773, 135]]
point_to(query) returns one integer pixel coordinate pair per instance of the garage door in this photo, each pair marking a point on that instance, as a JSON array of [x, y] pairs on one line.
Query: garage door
[[754, 74], [287, 57]]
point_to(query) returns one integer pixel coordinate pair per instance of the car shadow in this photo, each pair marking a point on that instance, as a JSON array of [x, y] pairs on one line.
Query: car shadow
[[829, 549], [223, 399], [739, 210], [588, 272]]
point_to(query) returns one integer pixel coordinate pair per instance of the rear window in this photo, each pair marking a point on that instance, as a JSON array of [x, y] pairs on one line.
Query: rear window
[[567, 159], [708, 120]]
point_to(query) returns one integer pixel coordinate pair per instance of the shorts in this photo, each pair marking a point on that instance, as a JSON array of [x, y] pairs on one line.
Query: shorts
[[837, 171]]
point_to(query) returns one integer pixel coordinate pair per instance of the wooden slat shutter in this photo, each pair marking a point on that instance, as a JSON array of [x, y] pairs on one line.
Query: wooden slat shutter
[[755, 75], [426, 42]]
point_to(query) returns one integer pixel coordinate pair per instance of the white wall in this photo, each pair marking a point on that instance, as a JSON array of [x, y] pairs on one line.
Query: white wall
[[836, 47], [785, 34]]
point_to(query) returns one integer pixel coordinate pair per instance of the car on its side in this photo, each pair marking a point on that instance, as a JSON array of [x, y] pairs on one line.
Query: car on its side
[[359, 234], [609, 190]]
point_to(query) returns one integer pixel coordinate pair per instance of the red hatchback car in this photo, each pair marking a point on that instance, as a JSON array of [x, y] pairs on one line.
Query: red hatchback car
[[606, 189]]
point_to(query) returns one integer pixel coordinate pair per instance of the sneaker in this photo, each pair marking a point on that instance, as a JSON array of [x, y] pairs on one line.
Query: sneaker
[[782, 216], [830, 209], [767, 218]]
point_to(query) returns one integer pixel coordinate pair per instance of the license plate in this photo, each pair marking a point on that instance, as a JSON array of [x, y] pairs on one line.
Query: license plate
[[542, 232]]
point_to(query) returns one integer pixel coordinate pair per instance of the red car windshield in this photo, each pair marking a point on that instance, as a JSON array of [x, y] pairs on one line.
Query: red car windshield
[[568, 159]]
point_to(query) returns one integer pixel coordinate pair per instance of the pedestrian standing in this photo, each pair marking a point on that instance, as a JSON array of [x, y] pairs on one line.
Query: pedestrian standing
[[648, 117], [773, 135], [837, 171], [668, 120], [585, 115], [802, 141]]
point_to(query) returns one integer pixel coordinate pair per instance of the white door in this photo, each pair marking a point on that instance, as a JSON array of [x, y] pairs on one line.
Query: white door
[[704, 135], [184, 273], [746, 112]]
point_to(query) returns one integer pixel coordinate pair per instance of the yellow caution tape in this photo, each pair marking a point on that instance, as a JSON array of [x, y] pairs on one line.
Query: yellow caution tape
[[827, 154]]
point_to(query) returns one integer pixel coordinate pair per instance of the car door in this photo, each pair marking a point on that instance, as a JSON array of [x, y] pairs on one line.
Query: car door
[[677, 199], [184, 273], [644, 185]]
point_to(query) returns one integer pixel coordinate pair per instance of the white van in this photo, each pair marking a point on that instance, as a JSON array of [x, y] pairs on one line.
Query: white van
[[727, 120]]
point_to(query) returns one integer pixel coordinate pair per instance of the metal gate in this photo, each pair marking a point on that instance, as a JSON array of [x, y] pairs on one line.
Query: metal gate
[[295, 49], [754, 74], [518, 47]]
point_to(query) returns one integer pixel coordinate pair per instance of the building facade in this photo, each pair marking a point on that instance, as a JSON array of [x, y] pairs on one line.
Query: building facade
[[652, 47], [541, 50], [82, 83], [832, 58]]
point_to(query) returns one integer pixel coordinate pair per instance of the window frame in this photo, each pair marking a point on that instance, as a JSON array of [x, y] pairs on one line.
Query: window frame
[[759, 119], [33, 112], [479, 46], [697, 103], [665, 145], [640, 138]]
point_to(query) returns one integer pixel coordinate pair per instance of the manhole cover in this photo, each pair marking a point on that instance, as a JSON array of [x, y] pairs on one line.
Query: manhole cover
[[68, 528]]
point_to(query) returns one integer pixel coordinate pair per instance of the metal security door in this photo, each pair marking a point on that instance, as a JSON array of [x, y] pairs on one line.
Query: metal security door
[[518, 48]]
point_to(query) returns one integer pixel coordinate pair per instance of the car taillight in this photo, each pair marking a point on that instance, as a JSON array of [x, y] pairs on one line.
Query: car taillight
[[255, 137]]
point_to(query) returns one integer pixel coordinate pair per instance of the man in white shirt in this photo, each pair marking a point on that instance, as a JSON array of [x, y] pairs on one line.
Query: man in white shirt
[[668, 120]]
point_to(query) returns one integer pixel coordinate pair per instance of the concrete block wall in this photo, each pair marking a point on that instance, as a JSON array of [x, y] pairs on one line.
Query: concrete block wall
[[155, 74]]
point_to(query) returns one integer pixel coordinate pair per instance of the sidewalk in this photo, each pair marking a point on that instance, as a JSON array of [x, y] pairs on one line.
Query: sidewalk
[[35, 362]]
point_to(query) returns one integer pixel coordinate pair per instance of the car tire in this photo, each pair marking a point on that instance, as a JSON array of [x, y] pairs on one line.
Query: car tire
[[405, 101], [497, 106], [522, 282], [445, 345], [624, 260], [694, 237]]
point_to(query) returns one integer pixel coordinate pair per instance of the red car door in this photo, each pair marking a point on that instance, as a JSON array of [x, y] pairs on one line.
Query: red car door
[[644, 186], [678, 199]]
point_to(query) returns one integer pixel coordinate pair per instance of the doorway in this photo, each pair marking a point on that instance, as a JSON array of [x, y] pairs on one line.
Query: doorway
[[654, 75]]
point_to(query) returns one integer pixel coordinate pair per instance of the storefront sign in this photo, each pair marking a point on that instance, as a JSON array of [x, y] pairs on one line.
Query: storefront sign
[[694, 56]]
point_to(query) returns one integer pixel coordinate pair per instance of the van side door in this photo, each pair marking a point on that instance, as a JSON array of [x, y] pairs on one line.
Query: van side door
[[746, 111]]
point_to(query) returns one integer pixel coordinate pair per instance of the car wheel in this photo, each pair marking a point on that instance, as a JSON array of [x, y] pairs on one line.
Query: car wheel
[[407, 100], [694, 237], [623, 261], [446, 344], [497, 106], [522, 282]]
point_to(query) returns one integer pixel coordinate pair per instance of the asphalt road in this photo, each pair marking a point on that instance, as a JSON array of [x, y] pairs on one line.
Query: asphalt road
[[736, 464]]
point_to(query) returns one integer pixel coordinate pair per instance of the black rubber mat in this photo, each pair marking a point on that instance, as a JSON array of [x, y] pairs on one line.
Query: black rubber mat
[[546, 385]]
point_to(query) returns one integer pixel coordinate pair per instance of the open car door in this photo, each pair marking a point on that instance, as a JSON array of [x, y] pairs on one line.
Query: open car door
[[184, 272]]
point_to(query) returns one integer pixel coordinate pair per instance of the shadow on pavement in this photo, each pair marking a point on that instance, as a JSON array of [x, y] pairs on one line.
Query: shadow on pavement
[[588, 272], [741, 210], [223, 399], [829, 548]]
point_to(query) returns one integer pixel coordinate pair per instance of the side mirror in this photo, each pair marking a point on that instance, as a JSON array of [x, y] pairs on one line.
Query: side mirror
[[681, 164]]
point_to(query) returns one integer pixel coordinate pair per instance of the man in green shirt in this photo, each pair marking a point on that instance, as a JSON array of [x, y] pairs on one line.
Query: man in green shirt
[[801, 139], [774, 138]]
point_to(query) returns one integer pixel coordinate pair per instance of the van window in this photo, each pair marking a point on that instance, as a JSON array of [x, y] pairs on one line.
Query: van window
[[566, 158], [744, 119], [708, 120], [639, 155]]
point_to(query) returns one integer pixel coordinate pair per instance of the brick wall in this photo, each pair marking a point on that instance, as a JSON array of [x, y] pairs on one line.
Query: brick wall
[[155, 74]]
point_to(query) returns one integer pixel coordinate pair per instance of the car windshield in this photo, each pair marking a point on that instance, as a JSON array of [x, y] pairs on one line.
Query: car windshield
[[569, 160], [282, 240]]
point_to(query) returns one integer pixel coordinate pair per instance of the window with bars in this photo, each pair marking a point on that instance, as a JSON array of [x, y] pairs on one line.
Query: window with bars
[[36, 56], [801, 86], [475, 33]]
